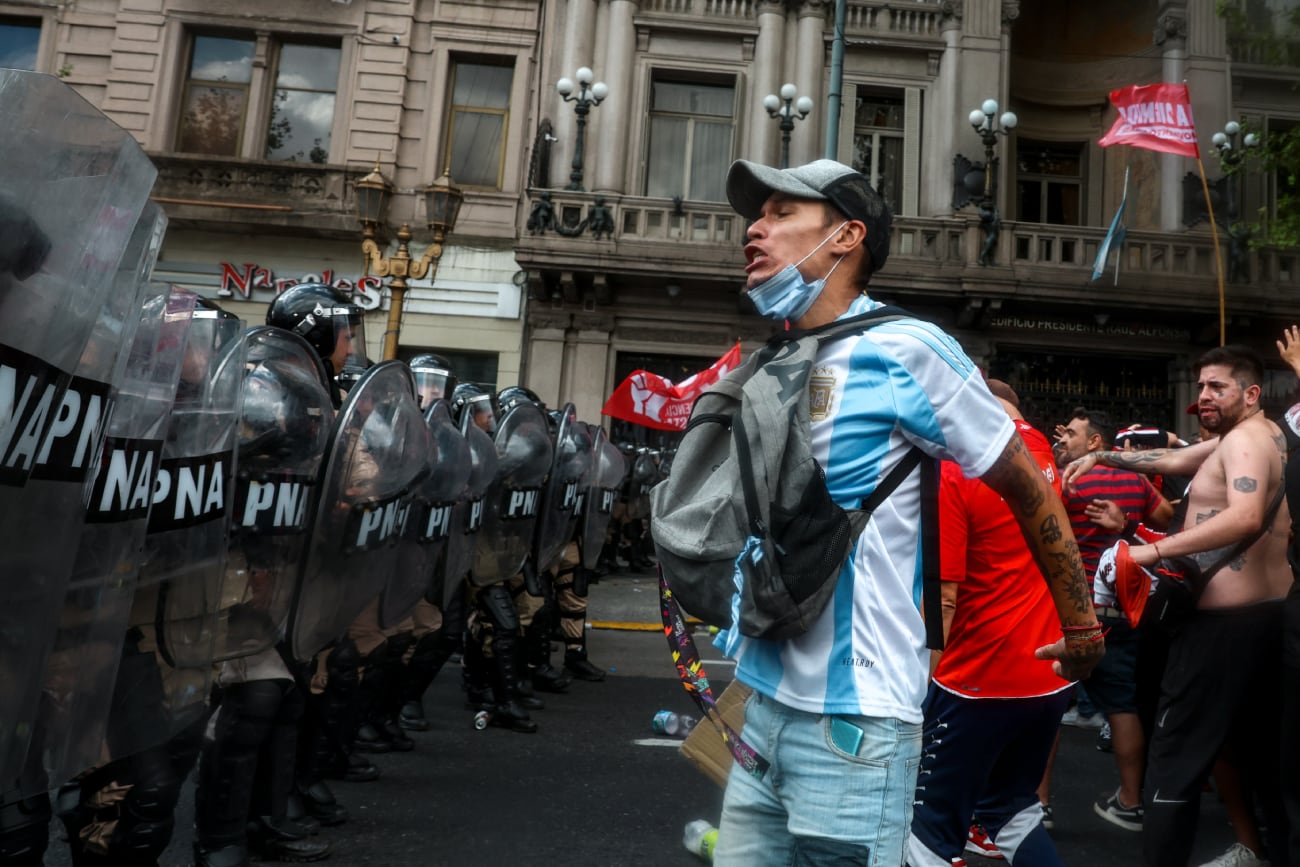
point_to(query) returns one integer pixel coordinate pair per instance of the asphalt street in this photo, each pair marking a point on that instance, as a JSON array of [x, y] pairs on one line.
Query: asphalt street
[[588, 789]]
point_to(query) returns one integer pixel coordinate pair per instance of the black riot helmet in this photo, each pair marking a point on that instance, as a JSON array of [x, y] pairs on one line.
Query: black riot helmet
[[281, 414], [469, 398], [515, 394], [433, 378], [353, 369], [325, 318]]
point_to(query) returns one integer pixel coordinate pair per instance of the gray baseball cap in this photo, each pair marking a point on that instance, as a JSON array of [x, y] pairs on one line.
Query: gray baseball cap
[[750, 184]]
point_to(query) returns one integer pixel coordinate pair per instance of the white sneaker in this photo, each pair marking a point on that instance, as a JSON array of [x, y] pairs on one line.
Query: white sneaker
[[1236, 856], [1072, 717]]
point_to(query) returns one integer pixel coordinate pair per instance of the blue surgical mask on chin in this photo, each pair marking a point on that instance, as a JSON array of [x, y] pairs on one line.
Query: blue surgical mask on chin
[[786, 295]]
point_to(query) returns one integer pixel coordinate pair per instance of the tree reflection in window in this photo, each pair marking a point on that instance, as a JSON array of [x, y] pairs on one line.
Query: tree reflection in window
[[302, 109], [216, 96], [299, 89]]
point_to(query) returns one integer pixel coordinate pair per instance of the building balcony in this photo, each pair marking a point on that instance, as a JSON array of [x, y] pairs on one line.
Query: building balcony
[[237, 195], [898, 22], [933, 260]]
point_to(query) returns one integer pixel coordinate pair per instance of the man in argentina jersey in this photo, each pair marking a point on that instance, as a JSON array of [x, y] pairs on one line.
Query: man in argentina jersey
[[837, 710]]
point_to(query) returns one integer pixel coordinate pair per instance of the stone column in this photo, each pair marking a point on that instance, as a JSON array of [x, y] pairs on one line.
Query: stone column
[[607, 137], [576, 49], [586, 360], [944, 120], [810, 70], [766, 78], [1171, 38], [545, 347]]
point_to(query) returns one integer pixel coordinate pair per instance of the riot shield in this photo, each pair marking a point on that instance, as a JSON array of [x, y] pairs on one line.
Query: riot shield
[[72, 186], [377, 455], [643, 477], [607, 471], [285, 419], [429, 525], [512, 502], [467, 515], [559, 511], [166, 668], [79, 677]]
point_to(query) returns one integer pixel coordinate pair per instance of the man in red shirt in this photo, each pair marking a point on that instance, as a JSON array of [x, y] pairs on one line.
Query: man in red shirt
[[993, 708], [1112, 686]]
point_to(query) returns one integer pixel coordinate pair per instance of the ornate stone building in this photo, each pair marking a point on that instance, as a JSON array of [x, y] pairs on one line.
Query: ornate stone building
[[261, 118], [686, 81]]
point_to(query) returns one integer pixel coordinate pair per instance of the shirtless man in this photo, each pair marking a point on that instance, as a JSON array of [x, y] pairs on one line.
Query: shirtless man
[[1223, 676]]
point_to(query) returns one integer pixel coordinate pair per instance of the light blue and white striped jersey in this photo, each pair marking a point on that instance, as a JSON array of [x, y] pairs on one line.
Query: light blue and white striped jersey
[[873, 397]]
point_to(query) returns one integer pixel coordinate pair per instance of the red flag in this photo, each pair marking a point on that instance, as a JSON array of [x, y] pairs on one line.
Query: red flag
[[1157, 117], [649, 399]]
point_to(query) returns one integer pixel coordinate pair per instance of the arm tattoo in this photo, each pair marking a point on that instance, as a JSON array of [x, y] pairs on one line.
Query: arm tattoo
[[1245, 484], [1202, 517], [1050, 530], [1015, 482], [1130, 460]]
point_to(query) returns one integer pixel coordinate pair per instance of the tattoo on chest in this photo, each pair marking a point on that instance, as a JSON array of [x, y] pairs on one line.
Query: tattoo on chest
[[1050, 530], [1202, 517], [1236, 564], [1245, 484]]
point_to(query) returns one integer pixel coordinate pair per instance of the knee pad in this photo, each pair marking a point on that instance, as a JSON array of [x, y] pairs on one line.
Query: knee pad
[[344, 656], [247, 712], [500, 608]]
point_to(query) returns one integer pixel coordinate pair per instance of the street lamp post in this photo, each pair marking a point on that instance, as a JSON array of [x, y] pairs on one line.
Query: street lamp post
[[587, 97], [1231, 158], [788, 110], [442, 204], [982, 119]]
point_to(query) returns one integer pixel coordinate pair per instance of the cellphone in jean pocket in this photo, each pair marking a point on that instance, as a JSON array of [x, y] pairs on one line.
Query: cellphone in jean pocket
[[846, 736]]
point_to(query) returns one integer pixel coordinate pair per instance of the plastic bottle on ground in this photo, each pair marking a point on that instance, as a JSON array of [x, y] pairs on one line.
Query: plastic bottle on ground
[[700, 838]]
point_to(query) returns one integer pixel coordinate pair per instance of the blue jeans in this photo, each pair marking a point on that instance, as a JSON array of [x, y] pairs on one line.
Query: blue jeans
[[818, 805]]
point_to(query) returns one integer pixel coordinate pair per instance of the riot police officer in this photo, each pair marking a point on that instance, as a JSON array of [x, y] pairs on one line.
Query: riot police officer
[[247, 766], [334, 327]]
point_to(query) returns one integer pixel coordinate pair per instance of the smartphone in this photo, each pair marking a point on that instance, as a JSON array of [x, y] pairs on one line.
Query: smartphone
[[845, 735]]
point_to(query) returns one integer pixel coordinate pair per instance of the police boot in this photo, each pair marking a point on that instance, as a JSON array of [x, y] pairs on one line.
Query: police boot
[[388, 695], [508, 712], [431, 653], [317, 801], [285, 840], [577, 664], [475, 678], [228, 768], [537, 645], [226, 856]]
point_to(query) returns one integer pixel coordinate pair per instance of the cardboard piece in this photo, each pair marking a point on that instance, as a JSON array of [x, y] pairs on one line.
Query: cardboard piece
[[704, 746]]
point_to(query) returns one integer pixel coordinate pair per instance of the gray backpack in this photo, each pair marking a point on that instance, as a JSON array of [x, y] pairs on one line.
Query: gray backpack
[[746, 491]]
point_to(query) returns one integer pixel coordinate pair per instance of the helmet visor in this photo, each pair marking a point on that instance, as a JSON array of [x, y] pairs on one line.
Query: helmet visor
[[481, 413], [349, 339], [431, 383]]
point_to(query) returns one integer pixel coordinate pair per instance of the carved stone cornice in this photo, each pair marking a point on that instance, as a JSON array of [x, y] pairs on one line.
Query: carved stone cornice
[[603, 322], [812, 8], [543, 318], [1171, 28], [1010, 12], [950, 12]]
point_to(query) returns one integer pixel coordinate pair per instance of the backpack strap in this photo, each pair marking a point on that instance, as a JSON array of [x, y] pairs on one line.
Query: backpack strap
[[930, 581]]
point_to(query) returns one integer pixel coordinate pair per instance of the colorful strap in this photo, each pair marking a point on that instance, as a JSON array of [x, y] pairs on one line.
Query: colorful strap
[[691, 670]]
